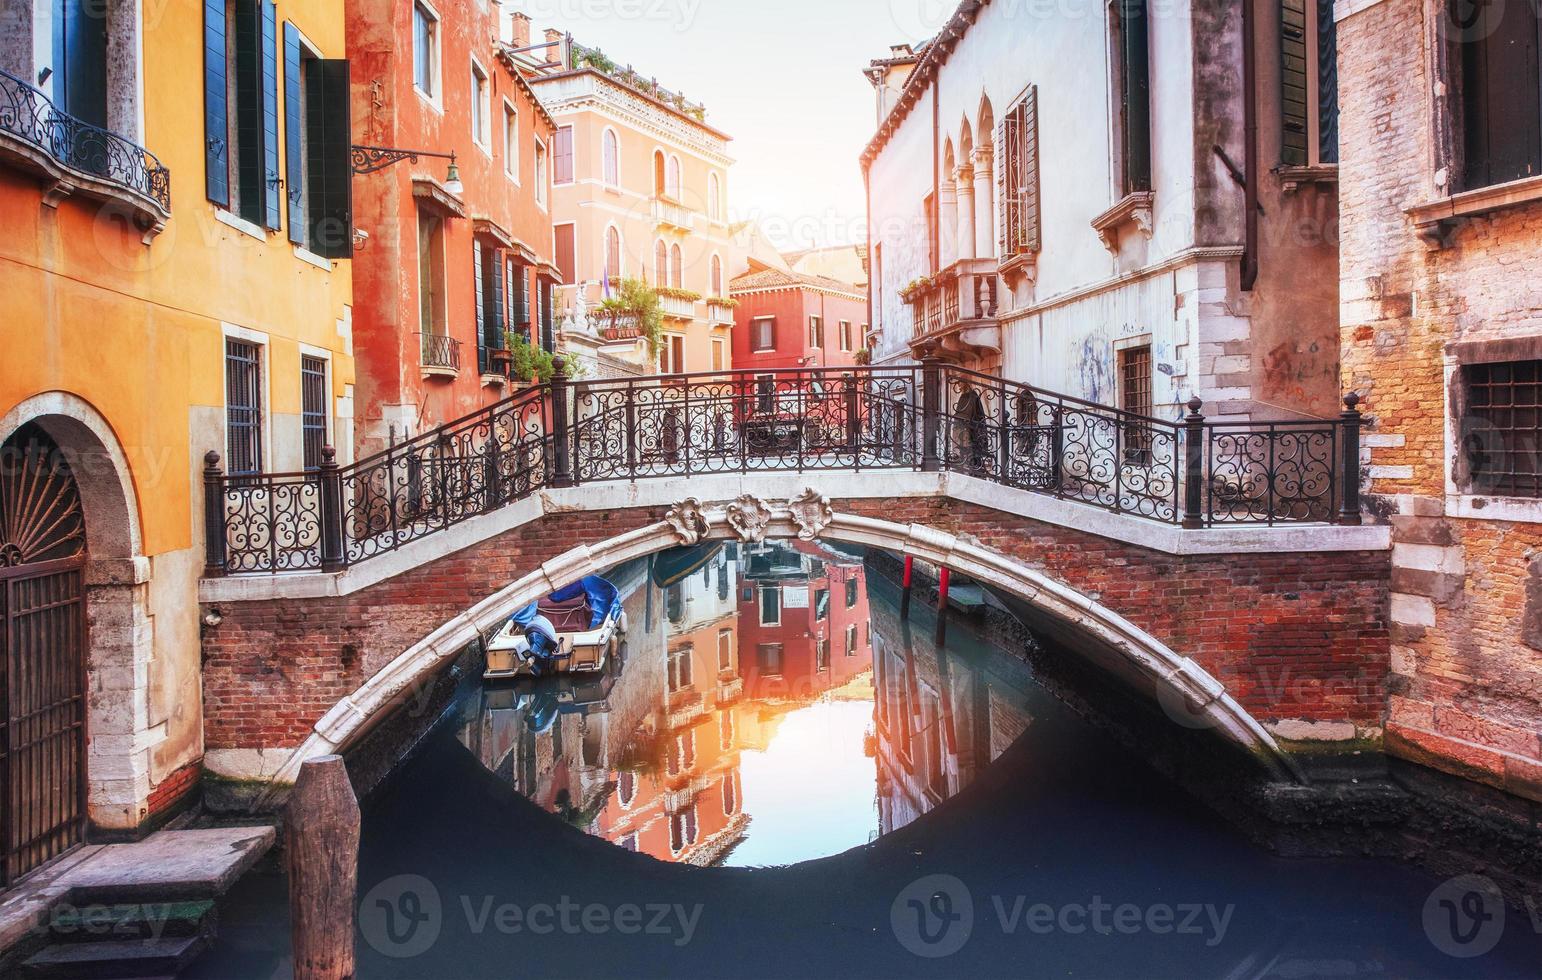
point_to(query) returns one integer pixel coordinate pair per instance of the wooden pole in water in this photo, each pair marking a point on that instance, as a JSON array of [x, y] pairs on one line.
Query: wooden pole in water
[[942, 607], [905, 590], [321, 841]]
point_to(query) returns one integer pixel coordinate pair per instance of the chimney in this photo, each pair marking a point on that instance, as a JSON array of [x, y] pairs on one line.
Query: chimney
[[559, 51], [520, 29]]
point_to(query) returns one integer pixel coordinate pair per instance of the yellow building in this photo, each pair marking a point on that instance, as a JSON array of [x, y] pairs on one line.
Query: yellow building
[[171, 190], [640, 190]]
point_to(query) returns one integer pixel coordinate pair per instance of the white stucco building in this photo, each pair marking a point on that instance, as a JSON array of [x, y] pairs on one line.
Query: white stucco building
[[1061, 194]]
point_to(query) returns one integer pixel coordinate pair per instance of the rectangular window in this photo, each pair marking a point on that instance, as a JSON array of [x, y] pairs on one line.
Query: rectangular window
[[1309, 106], [548, 325], [933, 243], [719, 355], [425, 50], [567, 253], [480, 99], [243, 407], [1501, 425], [251, 98], [510, 141], [1135, 398], [1020, 215], [851, 640], [768, 657], [770, 605], [313, 409], [488, 274], [562, 156], [539, 174], [725, 650], [320, 174], [1501, 91], [822, 654], [846, 344], [816, 332], [821, 605], [763, 333], [672, 355], [1132, 90], [851, 592], [431, 290]]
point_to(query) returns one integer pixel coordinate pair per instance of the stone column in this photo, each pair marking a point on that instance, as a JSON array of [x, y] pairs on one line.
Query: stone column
[[947, 220], [963, 177], [984, 203]]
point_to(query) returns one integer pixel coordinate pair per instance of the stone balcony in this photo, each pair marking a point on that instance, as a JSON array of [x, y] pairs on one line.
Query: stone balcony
[[955, 310], [671, 214], [719, 315], [677, 307]]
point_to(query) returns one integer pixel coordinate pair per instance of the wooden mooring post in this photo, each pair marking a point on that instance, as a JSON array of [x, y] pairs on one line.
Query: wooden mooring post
[[942, 607], [321, 843], [905, 587]]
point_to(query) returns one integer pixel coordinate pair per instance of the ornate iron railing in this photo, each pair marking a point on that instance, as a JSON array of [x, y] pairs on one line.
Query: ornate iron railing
[[440, 351], [929, 417], [28, 115]]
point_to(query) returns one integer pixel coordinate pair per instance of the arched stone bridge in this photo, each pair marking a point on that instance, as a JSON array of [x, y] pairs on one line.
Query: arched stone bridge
[[1276, 635]]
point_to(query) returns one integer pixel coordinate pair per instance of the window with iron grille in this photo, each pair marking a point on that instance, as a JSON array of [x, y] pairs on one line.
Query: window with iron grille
[[243, 407], [1502, 428], [1019, 178], [313, 409], [1135, 398]]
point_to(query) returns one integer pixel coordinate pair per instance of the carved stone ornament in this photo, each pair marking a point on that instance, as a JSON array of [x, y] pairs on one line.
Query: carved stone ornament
[[750, 518], [688, 521], [812, 513]]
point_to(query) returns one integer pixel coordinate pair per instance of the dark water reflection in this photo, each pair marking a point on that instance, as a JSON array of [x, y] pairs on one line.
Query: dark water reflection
[[773, 719]]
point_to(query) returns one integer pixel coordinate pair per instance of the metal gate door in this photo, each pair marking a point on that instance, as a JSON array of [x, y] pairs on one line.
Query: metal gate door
[[42, 653]]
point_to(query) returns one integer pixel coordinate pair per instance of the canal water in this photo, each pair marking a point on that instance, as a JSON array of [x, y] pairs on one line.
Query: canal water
[[776, 776]]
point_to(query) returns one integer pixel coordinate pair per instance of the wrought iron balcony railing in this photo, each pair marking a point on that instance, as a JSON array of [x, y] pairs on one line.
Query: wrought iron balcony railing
[[439, 352], [27, 116], [1193, 473]]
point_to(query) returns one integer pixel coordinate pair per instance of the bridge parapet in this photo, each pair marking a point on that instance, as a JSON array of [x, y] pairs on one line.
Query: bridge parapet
[[919, 424]]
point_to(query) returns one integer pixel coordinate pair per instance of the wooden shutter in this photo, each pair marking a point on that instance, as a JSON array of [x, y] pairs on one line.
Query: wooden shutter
[[1028, 173], [216, 115], [1500, 94], [1135, 99], [1327, 84], [329, 175], [567, 253], [1003, 136], [270, 177], [294, 161], [1293, 84], [478, 288], [495, 304]]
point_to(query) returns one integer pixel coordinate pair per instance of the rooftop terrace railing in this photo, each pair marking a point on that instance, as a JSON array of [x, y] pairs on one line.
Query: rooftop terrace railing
[[1194, 473]]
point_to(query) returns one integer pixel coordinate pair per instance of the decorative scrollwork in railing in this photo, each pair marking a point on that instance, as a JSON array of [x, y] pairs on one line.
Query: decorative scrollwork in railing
[[28, 115], [1193, 473]]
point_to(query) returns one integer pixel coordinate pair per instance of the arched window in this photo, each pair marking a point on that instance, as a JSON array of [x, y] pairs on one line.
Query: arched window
[[676, 267], [613, 252], [672, 177], [658, 173], [612, 157], [717, 276], [660, 263], [714, 198]]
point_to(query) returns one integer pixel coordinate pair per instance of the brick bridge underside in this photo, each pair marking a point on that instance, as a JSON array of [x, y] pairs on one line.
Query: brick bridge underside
[[1278, 636]]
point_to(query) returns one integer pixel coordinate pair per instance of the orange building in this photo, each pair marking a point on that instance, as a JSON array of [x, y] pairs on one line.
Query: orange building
[[176, 259], [456, 263]]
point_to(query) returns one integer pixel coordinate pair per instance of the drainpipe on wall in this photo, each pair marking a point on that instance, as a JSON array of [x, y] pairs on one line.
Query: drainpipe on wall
[[867, 194], [1250, 154], [935, 243]]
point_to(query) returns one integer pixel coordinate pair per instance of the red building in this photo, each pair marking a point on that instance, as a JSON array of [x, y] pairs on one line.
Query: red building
[[788, 319], [450, 255]]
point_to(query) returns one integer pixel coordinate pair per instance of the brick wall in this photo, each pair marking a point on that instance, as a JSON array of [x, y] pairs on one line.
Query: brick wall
[[1467, 676], [1293, 637]]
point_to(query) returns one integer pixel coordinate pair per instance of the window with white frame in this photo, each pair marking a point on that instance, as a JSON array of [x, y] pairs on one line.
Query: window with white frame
[[672, 354], [510, 140], [846, 336], [611, 154], [717, 276], [540, 175], [763, 333], [562, 156], [612, 252], [481, 99], [672, 177], [243, 406], [676, 267], [719, 354], [425, 50]]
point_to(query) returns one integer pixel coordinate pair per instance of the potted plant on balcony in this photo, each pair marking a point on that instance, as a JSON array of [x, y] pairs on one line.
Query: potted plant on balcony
[[633, 310], [863, 357]]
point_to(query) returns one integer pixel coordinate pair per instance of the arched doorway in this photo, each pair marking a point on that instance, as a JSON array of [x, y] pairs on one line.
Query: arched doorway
[[42, 653]]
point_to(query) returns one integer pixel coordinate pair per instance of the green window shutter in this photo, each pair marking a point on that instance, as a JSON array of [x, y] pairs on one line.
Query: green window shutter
[[294, 161], [1031, 236], [216, 115], [1003, 188], [270, 175], [329, 173], [494, 335], [1327, 83], [479, 289], [1293, 84]]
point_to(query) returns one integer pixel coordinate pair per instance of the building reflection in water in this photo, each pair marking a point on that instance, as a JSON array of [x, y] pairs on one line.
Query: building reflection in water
[[754, 681]]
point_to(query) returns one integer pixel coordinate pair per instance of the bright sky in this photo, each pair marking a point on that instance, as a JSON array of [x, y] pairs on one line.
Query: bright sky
[[784, 79]]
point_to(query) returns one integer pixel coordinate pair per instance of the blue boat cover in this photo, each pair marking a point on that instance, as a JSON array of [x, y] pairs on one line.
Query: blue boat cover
[[603, 598]]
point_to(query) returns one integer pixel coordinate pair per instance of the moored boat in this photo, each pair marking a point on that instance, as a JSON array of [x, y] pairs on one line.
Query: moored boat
[[572, 631]]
